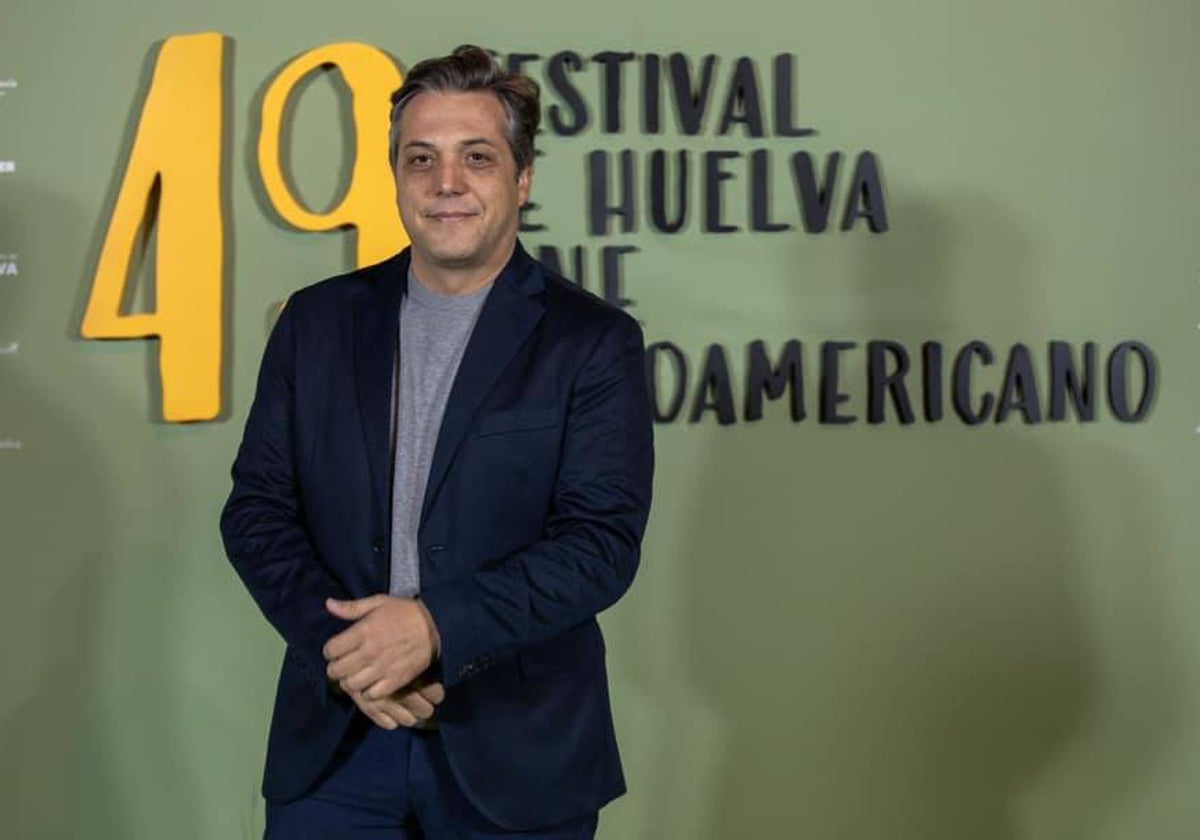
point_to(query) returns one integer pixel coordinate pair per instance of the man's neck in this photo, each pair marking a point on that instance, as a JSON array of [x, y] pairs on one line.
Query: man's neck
[[459, 281]]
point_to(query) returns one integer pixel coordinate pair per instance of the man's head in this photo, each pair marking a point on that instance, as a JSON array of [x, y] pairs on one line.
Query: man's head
[[469, 69], [462, 151]]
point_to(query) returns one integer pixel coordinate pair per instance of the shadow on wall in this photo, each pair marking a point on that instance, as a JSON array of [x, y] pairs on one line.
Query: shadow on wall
[[92, 724], [895, 627]]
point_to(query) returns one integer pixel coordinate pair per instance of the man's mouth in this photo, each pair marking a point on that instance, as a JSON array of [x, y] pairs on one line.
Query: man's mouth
[[451, 216]]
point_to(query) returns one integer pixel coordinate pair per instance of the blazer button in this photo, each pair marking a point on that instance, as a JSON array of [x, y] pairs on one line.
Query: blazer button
[[377, 547]]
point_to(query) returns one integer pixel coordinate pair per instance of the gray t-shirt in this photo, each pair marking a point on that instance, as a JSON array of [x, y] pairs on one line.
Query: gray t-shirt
[[434, 329]]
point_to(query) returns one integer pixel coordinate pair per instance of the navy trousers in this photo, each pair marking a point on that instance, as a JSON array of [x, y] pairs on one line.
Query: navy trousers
[[395, 784]]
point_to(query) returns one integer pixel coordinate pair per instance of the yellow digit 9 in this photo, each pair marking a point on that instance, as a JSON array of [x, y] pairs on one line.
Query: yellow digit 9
[[370, 200], [178, 147]]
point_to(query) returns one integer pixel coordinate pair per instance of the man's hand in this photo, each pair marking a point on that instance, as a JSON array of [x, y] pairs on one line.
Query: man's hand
[[392, 642], [407, 707]]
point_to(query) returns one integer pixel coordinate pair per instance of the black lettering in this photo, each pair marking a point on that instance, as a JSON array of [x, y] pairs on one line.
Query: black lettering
[[831, 395], [614, 276], [881, 382], [562, 85], [815, 199], [931, 358], [651, 94], [714, 391], [1019, 391], [760, 194], [690, 105], [548, 255], [659, 218], [679, 362], [1118, 382], [515, 62], [962, 383], [784, 71], [599, 208], [742, 104], [1065, 380], [774, 380], [612, 88], [713, 176], [526, 224], [865, 200]]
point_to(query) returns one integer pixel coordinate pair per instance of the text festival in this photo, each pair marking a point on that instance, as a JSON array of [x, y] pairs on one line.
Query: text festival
[[173, 180]]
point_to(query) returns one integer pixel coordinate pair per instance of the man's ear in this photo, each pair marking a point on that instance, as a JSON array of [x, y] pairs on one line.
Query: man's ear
[[524, 184]]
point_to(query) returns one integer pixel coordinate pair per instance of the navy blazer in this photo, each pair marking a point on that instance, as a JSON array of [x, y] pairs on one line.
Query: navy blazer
[[531, 524]]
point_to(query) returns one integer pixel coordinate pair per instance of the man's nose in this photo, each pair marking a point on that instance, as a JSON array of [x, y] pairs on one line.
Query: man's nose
[[449, 177]]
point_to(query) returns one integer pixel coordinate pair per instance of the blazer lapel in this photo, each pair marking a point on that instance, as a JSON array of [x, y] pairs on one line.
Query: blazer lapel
[[377, 322], [508, 317]]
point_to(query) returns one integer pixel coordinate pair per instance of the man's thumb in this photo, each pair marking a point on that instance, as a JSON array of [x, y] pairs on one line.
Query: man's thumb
[[351, 610]]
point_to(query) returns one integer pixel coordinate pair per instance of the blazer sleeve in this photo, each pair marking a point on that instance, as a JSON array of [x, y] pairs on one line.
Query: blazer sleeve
[[262, 524], [592, 546]]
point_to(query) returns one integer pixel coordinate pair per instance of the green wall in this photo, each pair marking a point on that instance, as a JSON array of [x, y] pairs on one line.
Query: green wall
[[884, 632]]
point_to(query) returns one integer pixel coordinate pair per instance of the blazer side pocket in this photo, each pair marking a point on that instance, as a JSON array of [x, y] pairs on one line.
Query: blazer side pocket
[[516, 420]]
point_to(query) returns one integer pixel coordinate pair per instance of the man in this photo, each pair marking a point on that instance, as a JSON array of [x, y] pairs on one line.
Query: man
[[445, 475]]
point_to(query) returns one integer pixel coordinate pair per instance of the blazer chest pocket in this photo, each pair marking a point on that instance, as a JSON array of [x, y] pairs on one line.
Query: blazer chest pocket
[[564, 650], [516, 420]]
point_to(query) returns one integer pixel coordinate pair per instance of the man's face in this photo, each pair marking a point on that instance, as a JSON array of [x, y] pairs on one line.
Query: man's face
[[457, 184]]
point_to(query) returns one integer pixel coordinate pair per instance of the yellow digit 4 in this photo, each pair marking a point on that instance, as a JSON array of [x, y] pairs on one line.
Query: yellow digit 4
[[178, 147]]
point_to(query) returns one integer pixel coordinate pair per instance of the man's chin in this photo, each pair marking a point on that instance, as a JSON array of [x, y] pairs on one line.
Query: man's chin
[[454, 255], [451, 258]]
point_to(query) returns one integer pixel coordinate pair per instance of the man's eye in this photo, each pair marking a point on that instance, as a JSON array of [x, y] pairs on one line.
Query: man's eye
[[478, 158], [419, 160]]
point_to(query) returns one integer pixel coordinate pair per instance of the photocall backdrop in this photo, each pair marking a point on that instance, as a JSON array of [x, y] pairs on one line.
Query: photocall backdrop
[[921, 286]]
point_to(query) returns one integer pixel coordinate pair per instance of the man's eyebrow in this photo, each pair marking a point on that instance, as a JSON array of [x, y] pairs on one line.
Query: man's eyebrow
[[471, 141]]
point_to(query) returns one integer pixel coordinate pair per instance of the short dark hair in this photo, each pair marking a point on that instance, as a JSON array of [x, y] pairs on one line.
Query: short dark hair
[[468, 69]]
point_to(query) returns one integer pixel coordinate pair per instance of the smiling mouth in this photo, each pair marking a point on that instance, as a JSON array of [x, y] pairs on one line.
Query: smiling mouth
[[451, 217]]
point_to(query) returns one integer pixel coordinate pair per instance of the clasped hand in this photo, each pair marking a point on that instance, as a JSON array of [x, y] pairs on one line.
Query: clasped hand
[[379, 661]]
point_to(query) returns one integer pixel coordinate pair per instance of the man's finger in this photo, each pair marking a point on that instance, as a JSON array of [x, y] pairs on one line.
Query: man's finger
[[421, 708], [344, 666], [353, 610], [373, 712], [382, 688], [360, 680], [381, 720], [397, 712], [343, 643], [435, 693]]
